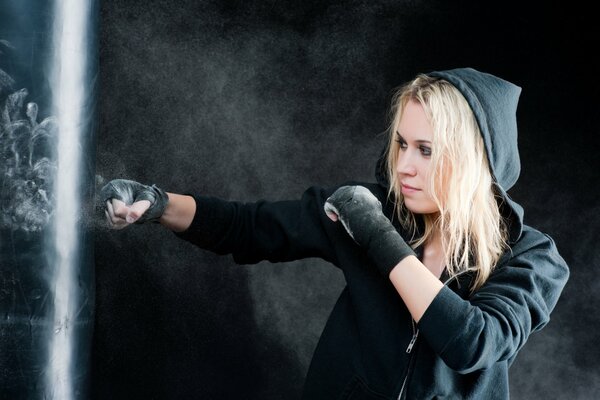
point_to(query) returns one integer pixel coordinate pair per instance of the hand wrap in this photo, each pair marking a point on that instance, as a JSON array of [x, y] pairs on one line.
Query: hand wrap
[[361, 214], [130, 192]]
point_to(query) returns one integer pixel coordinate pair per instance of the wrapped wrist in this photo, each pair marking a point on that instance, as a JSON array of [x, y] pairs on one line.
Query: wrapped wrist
[[387, 250], [156, 210]]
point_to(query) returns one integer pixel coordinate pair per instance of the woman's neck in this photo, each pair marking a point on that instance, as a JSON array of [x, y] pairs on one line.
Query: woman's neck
[[435, 240], [433, 256]]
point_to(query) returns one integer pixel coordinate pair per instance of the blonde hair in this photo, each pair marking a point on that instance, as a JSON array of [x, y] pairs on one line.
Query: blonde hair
[[473, 232]]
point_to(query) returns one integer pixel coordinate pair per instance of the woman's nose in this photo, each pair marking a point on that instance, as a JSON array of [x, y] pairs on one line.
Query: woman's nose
[[405, 164]]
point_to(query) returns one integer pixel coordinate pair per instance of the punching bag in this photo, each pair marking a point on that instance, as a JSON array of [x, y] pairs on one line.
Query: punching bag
[[48, 70]]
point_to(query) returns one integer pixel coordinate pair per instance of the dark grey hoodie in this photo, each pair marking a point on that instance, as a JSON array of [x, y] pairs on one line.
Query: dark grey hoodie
[[371, 348]]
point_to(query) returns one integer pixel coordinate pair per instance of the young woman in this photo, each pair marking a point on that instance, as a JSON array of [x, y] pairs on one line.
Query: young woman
[[444, 281]]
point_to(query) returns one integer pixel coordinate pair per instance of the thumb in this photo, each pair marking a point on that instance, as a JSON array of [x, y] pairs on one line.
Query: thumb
[[331, 211], [136, 210]]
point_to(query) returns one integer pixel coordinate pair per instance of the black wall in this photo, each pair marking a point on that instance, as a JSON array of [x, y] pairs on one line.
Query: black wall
[[247, 100]]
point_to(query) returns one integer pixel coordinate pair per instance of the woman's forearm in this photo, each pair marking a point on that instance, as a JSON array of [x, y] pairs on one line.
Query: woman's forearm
[[179, 213], [416, 285]]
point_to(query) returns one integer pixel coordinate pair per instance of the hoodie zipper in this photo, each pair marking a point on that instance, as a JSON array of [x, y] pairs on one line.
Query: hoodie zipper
[[413, 340], [414, 337], [408, 350]]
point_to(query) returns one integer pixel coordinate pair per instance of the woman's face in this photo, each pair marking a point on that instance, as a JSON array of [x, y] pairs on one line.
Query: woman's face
[[414, 136]]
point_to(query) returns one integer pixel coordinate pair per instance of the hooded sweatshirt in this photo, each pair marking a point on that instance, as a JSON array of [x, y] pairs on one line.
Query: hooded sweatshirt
[[371, 348]]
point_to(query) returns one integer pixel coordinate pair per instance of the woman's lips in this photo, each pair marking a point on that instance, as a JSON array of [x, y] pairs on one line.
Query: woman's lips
[[408, 189]]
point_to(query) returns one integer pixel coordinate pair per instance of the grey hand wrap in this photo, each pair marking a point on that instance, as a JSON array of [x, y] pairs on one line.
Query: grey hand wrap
[[130, 191], [361, 214]]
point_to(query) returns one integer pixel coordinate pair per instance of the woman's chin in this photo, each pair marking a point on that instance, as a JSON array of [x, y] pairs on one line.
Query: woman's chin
[[421, 210]]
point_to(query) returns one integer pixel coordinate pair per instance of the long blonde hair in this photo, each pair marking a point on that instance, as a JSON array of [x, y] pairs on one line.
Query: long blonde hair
[[473, 232]]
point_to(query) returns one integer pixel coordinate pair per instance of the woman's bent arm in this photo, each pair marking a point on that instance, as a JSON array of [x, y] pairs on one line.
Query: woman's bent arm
[[416, 285]]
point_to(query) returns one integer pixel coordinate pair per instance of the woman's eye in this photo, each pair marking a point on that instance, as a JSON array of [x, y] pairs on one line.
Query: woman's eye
[[402, 144], [426, 151]]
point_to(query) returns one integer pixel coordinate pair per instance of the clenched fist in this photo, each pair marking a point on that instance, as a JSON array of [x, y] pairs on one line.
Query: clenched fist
[[361, 215], [128, 202]]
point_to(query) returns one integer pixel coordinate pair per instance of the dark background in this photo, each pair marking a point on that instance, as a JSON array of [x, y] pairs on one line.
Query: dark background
[[247, 100]]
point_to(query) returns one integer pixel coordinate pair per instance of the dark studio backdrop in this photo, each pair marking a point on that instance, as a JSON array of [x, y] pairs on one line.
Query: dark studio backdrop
[[251, 100]]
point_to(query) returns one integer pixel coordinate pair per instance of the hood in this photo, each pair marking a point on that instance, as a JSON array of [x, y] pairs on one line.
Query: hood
[[494, 103]]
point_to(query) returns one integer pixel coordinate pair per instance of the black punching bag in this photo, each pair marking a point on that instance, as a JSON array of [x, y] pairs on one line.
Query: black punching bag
[[48, 68]]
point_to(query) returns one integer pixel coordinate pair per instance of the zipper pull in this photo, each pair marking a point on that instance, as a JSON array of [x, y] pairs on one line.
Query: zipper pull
[[412, 342]]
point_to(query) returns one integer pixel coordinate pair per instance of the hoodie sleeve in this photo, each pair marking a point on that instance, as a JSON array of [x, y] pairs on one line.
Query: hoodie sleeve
[[274, 231], [496, 321]]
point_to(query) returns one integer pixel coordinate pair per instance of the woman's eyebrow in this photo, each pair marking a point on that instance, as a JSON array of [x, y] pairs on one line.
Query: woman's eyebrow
[[418, 141]]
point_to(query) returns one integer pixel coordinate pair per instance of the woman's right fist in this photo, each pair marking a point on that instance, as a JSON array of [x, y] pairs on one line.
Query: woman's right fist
[[128, 202]]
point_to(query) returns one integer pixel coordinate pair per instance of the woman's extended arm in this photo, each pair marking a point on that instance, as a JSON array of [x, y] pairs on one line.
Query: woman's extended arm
[[255, 231]]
